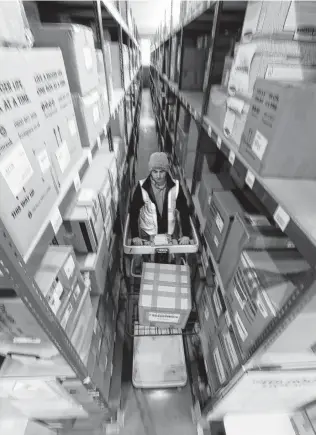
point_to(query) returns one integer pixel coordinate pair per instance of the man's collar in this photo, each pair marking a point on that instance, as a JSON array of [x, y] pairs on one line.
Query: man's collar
[[169, 182]]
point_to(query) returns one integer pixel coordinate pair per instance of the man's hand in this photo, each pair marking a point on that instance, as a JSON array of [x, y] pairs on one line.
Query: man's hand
[[184, 240], [137, 241]]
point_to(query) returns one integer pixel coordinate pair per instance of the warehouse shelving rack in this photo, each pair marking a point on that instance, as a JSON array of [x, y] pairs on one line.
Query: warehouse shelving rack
[[290, 203], [17, 271]]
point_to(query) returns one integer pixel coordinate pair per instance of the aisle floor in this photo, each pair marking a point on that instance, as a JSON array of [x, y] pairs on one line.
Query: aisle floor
[[152, 412]]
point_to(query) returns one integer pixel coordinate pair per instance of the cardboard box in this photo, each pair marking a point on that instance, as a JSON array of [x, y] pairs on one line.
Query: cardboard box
[[117, 123], [89, 112], [262, 283], [215, 360], [77, 45], [84, 222], [206, 314], [100, 67], [56, 277], [105, 113], [280, 20], [109, 162], [94, 266], [234, 124], [49, 76], [184, 119], [223, 210], [211, 183], [26, 176], [165, 295], [229, 343], [17, 322], [272, 60], [14, 27], [98, 180], [274, 128], [115, 62], [249, 232], [77, 304]]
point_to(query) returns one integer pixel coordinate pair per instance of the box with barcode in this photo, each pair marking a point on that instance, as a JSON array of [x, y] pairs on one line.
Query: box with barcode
[[263, 282], [275, 126], [89, 114], [249, 232], [165, 295], [223, 210], [77, 45]]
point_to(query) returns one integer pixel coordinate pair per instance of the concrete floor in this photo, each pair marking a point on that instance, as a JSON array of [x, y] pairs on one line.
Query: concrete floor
[[152, 412]]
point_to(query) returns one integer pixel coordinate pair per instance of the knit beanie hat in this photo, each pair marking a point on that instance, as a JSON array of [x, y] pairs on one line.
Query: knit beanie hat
[[158, 161]]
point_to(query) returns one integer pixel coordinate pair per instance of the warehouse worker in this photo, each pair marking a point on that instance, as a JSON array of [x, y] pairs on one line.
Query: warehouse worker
[[155, 204]]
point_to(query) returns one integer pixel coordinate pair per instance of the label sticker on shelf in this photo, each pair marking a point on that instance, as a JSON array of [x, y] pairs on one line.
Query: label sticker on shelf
[[56, 220], [250, 179], [99, 142], [87, 57], [230, 348], [217, 303], [231, 157], [261, 306], [77, 182], [209, 131], [281, 218], [206, 313], [16, 169], [228, 319], [89, 157], [219, 142], [216, 241], [72, 127], [69, 267], [219, 223], [259, 144]]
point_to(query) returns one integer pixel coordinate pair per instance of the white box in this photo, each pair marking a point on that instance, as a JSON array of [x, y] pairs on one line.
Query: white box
[[100, 66], [77, 45], [115, 62], [14, 28], [280, 19], [89, 110], [272, 60], [105, 113], [50, 79], [26, 174], [84, 222]]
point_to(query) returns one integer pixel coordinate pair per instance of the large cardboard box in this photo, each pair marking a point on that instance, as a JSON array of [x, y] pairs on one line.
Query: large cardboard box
[[77, 45], [56, 277], [262, 283], [115, 63], [14, 27], [274, 129], [272, 60], [280, 20], [90, 116], [26, 175], [165, 295], [84, 222], [211, 183], [94, 266], [193, 67], [249, 232], [224, 208], [49, 76]]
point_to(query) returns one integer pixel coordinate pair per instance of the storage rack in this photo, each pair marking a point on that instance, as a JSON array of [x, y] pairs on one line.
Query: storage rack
[[290, 203], [17, 271]]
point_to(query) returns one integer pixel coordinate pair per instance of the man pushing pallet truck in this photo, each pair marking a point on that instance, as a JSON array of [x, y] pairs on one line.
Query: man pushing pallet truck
[[164, 302]]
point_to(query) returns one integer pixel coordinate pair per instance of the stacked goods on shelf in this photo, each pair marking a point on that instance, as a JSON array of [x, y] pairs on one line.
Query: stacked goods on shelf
[[193, 68], [182, 134], [77, 45], [274, 128], [115, 62], [275, 45], [165, 295]]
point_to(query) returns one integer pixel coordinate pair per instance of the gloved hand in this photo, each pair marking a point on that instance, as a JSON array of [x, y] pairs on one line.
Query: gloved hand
[[184, 240], [137, 241]]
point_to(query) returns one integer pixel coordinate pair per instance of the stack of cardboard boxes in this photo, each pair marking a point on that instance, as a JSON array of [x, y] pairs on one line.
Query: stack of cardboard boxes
[[77, 46], [276, 45]]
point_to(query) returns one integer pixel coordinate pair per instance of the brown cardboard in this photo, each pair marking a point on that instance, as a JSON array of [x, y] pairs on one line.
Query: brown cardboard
[[77, 45], [211, 183], [49, 75], [193, 67], [165, 295], [224, 207], [274, 129], [27, 181], [263, 282], [90, 116], [249, 232]]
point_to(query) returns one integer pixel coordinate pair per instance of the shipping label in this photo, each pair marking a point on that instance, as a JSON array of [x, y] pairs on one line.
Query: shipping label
[[43, 160], [69, 267], [216, 241], [63, 156], [87, 57], [72, 125], [219, 366], [163, 317], [53, 91], [16, 169], [219, 222], [259, 145]]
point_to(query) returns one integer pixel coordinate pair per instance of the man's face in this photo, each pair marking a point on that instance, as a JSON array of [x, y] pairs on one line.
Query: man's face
[[159, 176]]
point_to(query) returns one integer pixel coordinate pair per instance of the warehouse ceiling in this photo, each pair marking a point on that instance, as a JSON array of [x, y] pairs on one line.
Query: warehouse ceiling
[[148, 15]]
